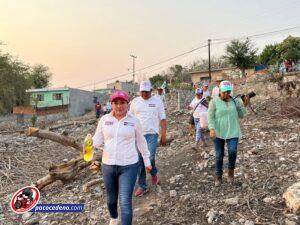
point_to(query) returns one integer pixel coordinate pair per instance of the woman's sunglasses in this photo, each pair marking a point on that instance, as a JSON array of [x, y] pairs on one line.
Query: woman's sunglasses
[[226, 92]]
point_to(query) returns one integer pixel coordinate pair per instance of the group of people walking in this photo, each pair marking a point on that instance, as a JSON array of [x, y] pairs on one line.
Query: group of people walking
[[130, 134]]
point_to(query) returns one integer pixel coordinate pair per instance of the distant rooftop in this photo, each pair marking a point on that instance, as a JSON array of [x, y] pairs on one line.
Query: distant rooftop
[[213, 70], [47, 89]]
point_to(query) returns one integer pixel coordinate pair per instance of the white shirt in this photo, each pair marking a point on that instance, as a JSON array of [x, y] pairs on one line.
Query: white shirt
[[150, 112], [121, 140], [163, 99], [200, 108], [206, 93]]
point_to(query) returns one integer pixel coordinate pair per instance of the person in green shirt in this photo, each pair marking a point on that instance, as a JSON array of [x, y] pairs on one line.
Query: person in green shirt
[[224, 113]]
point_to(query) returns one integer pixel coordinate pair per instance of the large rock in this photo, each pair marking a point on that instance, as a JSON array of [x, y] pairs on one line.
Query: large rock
[[292, 198]]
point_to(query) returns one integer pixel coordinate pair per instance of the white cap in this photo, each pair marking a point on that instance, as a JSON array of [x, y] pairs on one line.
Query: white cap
[[145, 86]]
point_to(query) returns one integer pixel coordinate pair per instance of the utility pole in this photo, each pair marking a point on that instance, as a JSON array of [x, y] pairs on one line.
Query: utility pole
[[133, 67], [209, 66]]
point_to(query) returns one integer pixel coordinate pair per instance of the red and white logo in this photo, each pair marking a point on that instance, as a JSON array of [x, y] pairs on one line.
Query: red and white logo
[[25, 199]]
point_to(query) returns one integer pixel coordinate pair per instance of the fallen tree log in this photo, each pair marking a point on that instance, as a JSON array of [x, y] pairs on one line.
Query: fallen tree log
[[45, 134], [91, 183], [64, 172], [61, 126], [73, 123]]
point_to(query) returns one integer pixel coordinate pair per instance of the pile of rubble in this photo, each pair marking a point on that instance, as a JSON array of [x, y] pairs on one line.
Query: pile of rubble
[[268, 164]]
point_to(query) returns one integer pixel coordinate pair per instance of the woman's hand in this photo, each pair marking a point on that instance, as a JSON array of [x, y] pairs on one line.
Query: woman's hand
[[212, 133], [148, 169]]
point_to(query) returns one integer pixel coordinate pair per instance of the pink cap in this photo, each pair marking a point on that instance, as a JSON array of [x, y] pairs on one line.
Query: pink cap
[[119, 95]]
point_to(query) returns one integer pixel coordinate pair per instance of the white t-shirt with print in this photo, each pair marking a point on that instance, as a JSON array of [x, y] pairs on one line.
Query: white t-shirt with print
[[150, 112]]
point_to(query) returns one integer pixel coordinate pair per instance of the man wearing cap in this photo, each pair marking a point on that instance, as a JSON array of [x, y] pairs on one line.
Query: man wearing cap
[[160, 94], [206, 92], [199, 107], [151, 113]]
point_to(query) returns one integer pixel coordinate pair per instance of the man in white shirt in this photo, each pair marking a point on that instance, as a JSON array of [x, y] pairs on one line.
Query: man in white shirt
[[199, 106], [160, 94], [151, 113]]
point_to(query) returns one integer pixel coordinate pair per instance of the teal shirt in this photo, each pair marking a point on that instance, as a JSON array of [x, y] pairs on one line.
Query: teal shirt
[[224, 117]]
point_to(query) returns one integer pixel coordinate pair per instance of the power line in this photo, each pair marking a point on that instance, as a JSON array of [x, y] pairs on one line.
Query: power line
[[147, 67], [221, 41], [177, 56], [257, 35]]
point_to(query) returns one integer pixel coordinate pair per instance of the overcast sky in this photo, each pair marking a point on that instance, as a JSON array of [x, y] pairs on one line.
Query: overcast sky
[[83, 42]]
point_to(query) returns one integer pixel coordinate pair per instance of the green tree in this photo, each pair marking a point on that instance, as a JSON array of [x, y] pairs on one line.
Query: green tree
[[13, 83], [289, 49], [175, 73], [241, 54], [40, 76], [270, 55], [15, 78], [157, 80]]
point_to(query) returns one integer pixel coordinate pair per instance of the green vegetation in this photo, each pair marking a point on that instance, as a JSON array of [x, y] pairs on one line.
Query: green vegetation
[[241, 54], [15, 78]]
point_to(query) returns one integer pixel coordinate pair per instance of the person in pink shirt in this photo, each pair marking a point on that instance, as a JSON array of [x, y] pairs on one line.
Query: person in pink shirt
[[215, 91]]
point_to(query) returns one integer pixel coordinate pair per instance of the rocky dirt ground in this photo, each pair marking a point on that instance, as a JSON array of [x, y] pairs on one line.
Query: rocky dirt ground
[[268, 163]]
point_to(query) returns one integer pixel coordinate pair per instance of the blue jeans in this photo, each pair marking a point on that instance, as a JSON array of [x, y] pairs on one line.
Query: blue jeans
[[119, 182], [152, 145], [199, 131], [232, 153]]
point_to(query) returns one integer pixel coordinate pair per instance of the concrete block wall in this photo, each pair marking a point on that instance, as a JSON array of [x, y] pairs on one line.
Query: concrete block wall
[[83, 101], [80, 102]]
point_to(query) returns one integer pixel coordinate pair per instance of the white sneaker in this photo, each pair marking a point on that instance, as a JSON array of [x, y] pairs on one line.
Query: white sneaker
[[114, 221]]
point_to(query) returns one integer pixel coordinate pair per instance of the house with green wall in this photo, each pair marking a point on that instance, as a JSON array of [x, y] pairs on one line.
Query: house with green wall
[[42, 98], [75, 102]]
